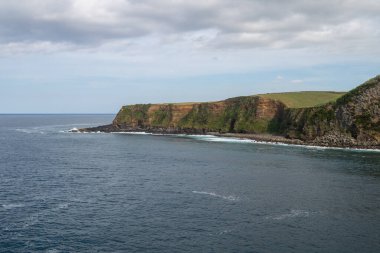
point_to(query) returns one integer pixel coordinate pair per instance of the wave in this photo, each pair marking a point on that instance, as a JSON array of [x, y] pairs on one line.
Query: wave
[[133, 133], [227, 231], [75, 130], [294, 213], [213, 138], [26, 131], [29, 131], [213, 194], [11, 206], [61, 206]]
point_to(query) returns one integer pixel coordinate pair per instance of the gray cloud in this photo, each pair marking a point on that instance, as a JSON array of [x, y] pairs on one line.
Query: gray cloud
[[69, 24]]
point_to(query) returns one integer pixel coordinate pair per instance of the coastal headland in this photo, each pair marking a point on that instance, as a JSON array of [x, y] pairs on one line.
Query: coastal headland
[[333, 119]]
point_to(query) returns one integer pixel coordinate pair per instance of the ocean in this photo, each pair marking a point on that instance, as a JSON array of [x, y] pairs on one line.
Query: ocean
[[99, 192]]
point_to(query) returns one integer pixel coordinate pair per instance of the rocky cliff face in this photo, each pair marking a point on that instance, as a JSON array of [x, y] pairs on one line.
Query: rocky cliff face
[[241, 115], [352, 121]]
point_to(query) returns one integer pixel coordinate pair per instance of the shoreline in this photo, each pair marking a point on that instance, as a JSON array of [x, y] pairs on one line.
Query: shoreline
[[296, 143], [259, 138]]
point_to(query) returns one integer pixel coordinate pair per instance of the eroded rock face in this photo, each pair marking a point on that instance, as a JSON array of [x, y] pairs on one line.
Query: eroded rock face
[[360, 112], [353, 120], [268, 108], [243, 114]]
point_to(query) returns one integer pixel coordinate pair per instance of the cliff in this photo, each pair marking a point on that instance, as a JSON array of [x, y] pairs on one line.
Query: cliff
[[236, 115], [350, 121], [353, 120]]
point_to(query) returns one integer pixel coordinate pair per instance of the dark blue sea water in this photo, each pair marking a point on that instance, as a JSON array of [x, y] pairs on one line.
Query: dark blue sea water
[[71, 192]]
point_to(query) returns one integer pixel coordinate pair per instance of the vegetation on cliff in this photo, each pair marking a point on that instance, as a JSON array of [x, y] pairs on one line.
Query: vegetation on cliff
[[250, 114], [353, 120], [236, 115]]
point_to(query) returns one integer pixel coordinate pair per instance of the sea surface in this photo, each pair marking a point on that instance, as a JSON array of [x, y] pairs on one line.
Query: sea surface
[[82, 192]]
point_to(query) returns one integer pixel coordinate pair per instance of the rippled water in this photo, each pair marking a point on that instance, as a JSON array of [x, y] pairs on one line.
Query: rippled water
[[70, 192]]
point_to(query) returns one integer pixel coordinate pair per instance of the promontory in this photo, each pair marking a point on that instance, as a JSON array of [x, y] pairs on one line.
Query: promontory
[[333, 119]]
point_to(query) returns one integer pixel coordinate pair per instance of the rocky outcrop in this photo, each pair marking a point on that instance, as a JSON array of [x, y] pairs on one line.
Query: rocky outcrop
[[352, 121]]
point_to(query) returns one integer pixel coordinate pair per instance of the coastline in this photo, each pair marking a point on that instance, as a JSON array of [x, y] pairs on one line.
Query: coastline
[[351, 121], [259, 138]]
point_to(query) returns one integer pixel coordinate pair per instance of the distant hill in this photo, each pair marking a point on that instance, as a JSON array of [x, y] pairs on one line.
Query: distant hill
[[304, 99], [321, 118]]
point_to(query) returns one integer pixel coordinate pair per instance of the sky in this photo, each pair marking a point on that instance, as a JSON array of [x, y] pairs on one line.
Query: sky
[[93, 56]]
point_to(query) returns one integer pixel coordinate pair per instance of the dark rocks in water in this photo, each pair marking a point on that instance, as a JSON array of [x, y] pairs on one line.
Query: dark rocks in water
[[106, 128]]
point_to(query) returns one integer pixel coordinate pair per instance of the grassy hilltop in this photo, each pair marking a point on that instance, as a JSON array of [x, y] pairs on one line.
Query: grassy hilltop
[[304, 99], [298, 99]]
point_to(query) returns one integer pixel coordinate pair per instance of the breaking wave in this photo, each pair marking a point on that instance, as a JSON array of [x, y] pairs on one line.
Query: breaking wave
[[213, 194], [213, 138], [75, 130], [294, 213], [133, 133], [29, 131], [11, 206]]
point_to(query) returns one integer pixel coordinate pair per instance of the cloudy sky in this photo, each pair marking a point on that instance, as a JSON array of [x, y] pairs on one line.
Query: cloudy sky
[[96, 55]]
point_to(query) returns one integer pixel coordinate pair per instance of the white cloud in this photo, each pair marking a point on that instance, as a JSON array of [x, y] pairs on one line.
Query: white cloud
[[211, 24]]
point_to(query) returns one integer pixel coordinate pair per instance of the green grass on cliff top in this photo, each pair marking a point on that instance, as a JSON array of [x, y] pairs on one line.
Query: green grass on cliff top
[[304, 99], [300, 99]]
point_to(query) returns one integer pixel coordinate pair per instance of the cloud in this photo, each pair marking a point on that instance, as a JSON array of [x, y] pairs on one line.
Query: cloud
[[30, 25]]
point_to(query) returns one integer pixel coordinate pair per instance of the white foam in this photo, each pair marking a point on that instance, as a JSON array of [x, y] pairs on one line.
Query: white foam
[[133, 133], [294, 213], [213, 194], [227, 231], [63, 205], [213, 138], [23, 130], [28, 131], [74, 129], [11, 206]]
